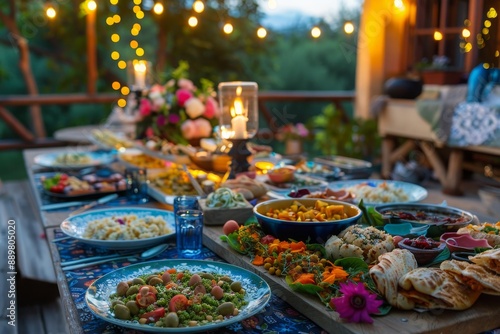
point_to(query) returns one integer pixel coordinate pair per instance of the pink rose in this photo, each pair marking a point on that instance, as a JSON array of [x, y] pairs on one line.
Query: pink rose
[[194, 107], [157, 89], [182, 96], [211, 108], [302, 130], [186, 84], [145, 107], [188, 129], [203, 128]]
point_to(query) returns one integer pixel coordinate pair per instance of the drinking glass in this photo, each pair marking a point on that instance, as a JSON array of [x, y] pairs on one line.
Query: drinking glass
[[137, 185], [189, 232]]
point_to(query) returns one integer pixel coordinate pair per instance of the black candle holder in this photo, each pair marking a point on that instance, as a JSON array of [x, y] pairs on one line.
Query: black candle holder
[[239, 154]]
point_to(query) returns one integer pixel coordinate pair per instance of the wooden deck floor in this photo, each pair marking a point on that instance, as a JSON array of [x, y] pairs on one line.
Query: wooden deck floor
[[39, 309]]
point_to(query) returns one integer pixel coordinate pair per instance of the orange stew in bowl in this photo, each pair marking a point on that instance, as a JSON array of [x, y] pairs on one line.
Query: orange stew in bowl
[[321, 211]]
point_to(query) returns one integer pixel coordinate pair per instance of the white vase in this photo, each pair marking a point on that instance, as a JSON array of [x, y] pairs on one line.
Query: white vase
[[293, 147]]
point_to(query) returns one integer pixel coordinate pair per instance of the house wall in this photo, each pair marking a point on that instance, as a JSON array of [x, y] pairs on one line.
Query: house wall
[[382, 43]]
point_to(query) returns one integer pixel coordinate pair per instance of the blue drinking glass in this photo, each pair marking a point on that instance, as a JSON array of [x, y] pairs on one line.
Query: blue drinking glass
[[189, 232]]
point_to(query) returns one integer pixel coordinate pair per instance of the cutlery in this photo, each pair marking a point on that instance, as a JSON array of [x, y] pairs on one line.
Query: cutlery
[[147, 254], [62, 205], [101, 200], [91, 259], [194, 182]]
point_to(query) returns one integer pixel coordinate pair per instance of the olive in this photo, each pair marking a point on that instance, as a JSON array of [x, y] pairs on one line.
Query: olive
[[200, 288], [132, 306], [236, 286], [122, 312], [138, 280], [226, 279], [122, 288], [207, 276], [217, 292], [171, 320], [132, 290], [149, 278], [155, 281], [226, 308], [195, 279], [166, 277], [114, 302]]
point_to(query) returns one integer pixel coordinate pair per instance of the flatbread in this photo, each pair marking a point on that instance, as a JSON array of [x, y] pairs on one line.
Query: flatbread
[[470, 271], [386, 274], [489, 259], [434, 288]]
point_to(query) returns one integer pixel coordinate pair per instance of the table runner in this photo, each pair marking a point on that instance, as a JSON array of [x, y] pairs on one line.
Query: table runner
[[278, 316]]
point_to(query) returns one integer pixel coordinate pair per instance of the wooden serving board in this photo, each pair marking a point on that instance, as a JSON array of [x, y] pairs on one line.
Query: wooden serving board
[[484, 315]]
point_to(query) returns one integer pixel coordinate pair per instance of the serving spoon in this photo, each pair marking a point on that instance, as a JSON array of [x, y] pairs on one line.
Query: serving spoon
[[147, 254]]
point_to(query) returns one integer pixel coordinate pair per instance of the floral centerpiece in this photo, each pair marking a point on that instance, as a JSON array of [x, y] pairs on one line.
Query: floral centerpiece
[[178, 111], [292, 132]]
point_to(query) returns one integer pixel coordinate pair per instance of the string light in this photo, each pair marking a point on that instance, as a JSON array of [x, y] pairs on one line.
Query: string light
[[315, 32], [134, 44], [140, 15], [139, 52], [438, 36], [116, 85], [198, 6], [193, 21], [399, 4], [492, 13], [122, 64], [158, 8], [465, 33], [50, 11], [110, 21], [115, 55], [116, 18], [228, 28], [348, 28], [261, 32], [122, 103], [125, 90], [91, 5], [115, 38]]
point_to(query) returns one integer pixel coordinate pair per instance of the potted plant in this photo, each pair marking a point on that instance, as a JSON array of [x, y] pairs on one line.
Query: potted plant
[[438, 71]]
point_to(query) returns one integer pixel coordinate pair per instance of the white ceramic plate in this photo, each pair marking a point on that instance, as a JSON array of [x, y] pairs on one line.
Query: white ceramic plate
[[257, 290], [74, 226], [94, 158], [378, 196]]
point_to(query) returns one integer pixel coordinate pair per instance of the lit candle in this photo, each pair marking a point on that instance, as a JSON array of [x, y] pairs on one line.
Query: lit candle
[[140, 74], [239, 121]]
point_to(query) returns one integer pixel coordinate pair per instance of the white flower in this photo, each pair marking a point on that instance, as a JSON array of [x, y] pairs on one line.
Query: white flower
[[194, 107]]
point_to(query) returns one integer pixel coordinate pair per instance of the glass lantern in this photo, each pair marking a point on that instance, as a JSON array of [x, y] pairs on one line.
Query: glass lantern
[[139, 74], [239, 109]]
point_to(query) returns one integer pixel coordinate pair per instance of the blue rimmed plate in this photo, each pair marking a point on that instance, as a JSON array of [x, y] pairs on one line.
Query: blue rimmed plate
[[257, 293], [378, 192], [74, 159], [75, 226]]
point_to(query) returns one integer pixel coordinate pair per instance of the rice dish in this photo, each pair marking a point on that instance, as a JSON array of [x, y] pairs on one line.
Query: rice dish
[[380, 193], [127, 227]]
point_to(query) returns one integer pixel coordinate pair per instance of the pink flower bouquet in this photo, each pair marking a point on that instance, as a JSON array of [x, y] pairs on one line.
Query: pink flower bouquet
[[178, 111], [292, 131]]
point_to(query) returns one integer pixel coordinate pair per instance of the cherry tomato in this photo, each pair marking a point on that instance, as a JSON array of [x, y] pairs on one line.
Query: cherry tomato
[[267, 239], [154, 315], [63, 177], [144, 300], [58, 188], [178, 303]]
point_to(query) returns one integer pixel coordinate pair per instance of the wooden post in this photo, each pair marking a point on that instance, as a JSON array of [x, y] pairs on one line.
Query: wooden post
[[91, 52]]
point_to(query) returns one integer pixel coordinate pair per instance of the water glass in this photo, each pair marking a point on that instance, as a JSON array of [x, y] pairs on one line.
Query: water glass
[[185, 202], [137, 185], [189, 232]]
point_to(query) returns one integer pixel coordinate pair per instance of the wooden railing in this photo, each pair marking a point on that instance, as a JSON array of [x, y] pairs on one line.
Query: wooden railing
[[29, 139]]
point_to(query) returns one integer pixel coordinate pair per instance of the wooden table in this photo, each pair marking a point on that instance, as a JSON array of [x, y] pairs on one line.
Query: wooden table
[[484, 315]]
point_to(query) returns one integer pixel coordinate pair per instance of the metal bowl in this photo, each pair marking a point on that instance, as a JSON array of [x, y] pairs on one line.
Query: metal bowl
[[436, 228], [315, 232]]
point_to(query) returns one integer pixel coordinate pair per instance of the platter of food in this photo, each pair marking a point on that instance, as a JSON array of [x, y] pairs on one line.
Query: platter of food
[[295, 182], [71, 185], [240, 295], [121, 228], [74, 159], [108, 139], [135, 158], [378, 192]]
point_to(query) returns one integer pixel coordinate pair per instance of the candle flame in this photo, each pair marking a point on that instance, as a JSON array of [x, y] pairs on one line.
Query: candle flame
[[237, 108], [140, 67]]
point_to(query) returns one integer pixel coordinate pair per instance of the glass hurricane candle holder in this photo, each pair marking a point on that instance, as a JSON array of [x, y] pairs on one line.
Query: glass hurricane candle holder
[[139, 74], [239, 120]]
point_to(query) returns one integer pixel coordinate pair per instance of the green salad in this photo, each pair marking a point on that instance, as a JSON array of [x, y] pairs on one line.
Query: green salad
[[178, 298]]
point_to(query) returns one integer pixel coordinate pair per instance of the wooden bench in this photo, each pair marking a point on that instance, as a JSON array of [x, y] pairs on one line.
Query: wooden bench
[[38, 308], [400, 119]]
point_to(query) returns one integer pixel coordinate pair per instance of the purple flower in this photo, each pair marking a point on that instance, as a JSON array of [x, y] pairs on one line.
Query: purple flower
[[161, 120], [174, 118], [356, 303]]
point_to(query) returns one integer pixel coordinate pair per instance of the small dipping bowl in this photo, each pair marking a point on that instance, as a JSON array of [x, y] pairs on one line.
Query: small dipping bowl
[[462, 242], [423, 256], [406, 230], [281, 174]]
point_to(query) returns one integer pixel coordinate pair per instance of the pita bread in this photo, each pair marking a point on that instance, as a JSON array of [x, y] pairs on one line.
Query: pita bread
[[489, 259], [434, 288], [386, 274], [469, 271]]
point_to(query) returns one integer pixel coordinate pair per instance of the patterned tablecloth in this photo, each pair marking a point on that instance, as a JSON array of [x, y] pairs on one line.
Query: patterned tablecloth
[[277, 317]]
